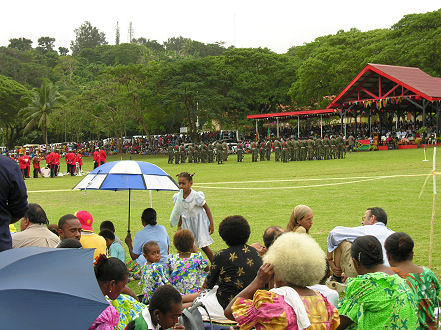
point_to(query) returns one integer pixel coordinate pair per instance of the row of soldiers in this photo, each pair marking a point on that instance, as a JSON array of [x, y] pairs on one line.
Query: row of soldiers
[[298, 150], [198, 153]]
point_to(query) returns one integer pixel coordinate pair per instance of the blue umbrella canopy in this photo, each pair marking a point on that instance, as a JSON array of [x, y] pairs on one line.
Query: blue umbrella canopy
[[128, 174], [45, 288]]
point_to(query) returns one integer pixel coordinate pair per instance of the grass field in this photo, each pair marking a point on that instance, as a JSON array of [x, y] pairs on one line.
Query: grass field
[[265, 193]]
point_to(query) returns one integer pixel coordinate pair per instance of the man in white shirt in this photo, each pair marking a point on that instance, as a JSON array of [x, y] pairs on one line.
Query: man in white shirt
[[340, 241]]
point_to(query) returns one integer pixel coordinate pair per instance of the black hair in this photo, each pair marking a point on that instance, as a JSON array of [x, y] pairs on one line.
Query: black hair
[[36, 214], [110, 269], [367, 251], [107, 224], [146, 246], [71, 243], [183, 240], [270, 235], [234, 230], [379, 213], [107, 234], [130, 326], [53, 228], [149, 216], [399, 246], [64, 219], [163, 297], [186, 175]]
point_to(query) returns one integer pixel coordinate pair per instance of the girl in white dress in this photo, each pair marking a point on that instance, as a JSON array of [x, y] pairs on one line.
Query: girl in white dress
[[196, 215]]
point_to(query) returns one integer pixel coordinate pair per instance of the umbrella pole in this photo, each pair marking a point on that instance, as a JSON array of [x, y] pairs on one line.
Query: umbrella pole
[[128, 230], [151, 200]]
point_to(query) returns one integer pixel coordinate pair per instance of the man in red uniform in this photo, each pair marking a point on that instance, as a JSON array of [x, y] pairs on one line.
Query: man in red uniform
[[55, 163], [96, 158], [73, 162], [22, 164], [50, 161], [28, 164], [79, 160], [103, 156], [36, 164]]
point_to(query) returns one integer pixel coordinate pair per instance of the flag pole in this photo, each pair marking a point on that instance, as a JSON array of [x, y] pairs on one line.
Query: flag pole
[[433, 210]]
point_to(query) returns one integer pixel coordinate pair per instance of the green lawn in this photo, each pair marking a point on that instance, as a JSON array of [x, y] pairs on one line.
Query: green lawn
[[265, 193]]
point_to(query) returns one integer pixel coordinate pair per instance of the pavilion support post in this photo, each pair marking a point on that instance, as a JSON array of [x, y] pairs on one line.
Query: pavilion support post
[[355, 117], [257, 132], [369, 122], [298, 127], [425, 103], [341, 122], [277, 121], [321, 126]]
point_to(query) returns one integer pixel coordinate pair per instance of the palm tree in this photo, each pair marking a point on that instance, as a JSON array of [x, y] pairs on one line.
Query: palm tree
[[41, 103]]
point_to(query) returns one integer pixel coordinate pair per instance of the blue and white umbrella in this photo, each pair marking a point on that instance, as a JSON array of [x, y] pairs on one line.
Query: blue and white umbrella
[[128, 175]]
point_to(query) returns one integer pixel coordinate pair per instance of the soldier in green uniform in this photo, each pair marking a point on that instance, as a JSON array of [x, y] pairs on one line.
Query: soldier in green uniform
[[333, 148], [340, 147], [254, 151], [296, 147], [302, 145], [285, 151], [239, 152], [196, 153], [219, 153], [183, 153], [277, 150], [268, 147], [225, 151], [176, 154], [262, 151], [170, 154], [310, 149], [319, 151], [190, 153], [210, 151], [326, 147], [204, 153]]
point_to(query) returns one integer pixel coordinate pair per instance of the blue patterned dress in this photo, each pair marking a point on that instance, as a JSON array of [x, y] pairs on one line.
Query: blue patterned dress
[[152, 277], [187, 274]]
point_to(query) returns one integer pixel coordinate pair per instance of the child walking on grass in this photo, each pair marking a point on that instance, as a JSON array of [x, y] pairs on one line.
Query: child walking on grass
[[187, 267], [196, 215], [153, 273]]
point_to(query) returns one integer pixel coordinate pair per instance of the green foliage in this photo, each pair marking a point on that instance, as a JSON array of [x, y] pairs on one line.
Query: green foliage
[[41, 103], [87, 36], [46, 44], [12, 94], [22, 44], [63, 51]]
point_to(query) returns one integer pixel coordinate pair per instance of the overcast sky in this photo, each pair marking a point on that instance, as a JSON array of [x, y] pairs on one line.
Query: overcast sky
[[276, 24]]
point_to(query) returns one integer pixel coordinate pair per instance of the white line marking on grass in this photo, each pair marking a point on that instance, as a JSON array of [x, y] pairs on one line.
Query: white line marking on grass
[[310, 186], [203, 185], [43, 191]]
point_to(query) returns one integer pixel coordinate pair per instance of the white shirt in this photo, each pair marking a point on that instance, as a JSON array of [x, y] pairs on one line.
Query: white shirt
[[148, 319], [340, 234], [330, 294]]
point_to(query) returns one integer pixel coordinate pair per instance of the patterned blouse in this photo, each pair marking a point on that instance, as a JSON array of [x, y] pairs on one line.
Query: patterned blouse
[[152, 277], [426, 288], [379, 301], [187, 274], [128, 309], [268, 310], [233, 269]]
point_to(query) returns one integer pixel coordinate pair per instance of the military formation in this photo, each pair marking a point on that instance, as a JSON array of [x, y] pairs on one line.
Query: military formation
[[198, 153], [285, 150]]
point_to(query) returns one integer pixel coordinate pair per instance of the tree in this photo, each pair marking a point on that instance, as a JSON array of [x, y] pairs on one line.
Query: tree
[[117, 34], [12, 96], [87, 36], [41, 103], [63, 51], [22, 44], [46, 44]]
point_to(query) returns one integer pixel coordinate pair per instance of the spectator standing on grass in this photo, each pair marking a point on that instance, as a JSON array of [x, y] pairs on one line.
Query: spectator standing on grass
[[196, 215], [13, 199], [89, 239], [34, 231]]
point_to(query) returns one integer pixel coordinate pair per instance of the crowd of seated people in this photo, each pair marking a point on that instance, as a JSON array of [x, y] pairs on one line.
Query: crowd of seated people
[[286, 283]]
